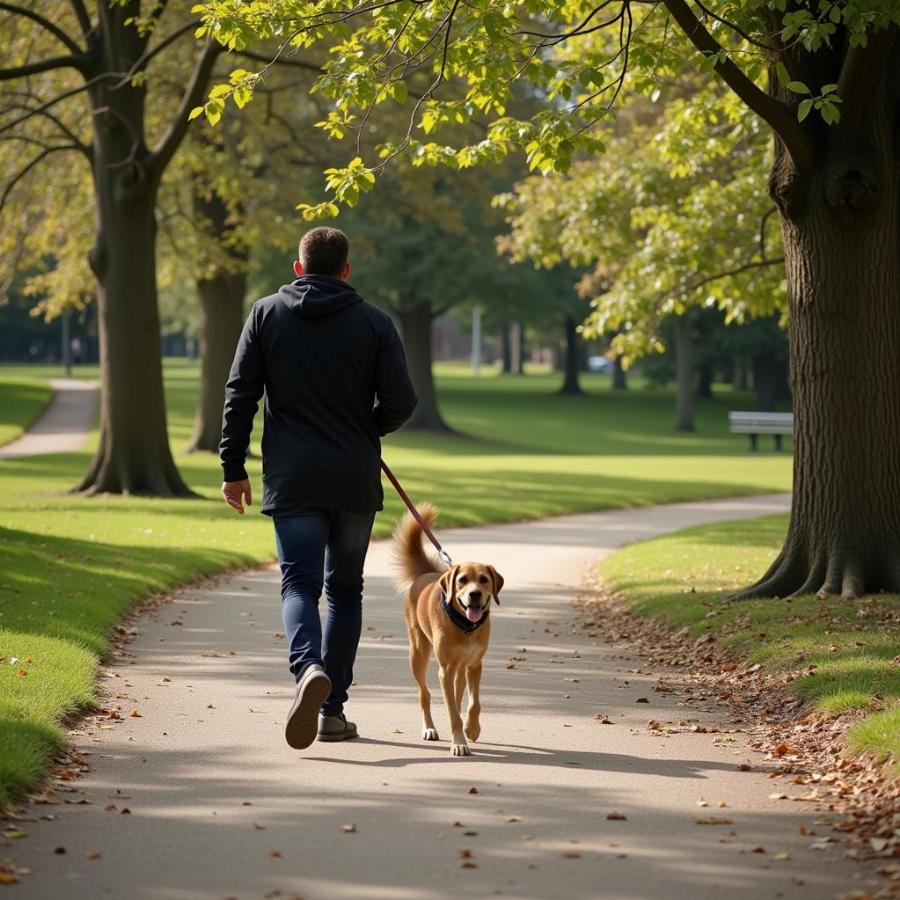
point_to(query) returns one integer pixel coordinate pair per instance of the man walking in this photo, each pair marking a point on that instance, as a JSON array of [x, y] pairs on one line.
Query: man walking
[[334, 375]]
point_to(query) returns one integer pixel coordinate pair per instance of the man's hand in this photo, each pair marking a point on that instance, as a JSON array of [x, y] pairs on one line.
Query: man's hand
[[234, 491]]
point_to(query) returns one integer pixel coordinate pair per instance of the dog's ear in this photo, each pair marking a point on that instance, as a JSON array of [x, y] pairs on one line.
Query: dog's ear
[[497, 578], [447, 581]]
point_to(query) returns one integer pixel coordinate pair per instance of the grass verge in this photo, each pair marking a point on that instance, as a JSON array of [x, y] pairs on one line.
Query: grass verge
[[847, 651], [70, 566], [21, 402]]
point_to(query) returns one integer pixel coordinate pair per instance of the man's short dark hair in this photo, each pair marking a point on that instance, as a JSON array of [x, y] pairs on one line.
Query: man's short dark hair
[[323, 251]]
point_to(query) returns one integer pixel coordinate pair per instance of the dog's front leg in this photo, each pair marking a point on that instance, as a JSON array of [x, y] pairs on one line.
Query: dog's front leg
[[473, 715], [458, 747]]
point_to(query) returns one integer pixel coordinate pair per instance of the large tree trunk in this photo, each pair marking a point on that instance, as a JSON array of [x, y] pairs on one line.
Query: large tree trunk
[[133, 455], [221, 319], [842, 256], [572, 358], [221, 294], [770, 380], [415, 328], [684, 375], [619, 376]]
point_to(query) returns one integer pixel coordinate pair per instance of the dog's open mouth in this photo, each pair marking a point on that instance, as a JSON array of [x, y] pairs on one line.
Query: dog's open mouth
[[474, 613]]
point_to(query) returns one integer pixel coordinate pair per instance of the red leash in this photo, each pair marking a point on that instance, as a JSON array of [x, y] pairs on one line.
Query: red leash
[[444, 555]]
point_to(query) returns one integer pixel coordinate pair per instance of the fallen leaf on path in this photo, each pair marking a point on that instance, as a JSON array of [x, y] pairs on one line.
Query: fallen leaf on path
[[616, 816], [470, 833], [135, 714], [602, 719], [642, 700], [465, 853], [468, 864], [350, 828], [714, 820], [15, 833], [59, 851], [572, 854], [513, 819], [473, 790], [275, 854], [778, 796], [7, 877], [94, 854]]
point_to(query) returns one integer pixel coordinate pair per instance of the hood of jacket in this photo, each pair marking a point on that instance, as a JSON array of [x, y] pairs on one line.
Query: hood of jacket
[[318, 295]]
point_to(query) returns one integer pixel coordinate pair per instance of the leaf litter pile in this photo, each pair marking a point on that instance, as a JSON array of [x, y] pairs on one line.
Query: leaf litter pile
[[808, 747]]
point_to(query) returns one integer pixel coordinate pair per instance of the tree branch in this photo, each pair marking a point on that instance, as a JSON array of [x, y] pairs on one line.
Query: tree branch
[[165, 149], [44, 65], [780, 117], [46, 24], [81, 13], [37, 159], [758, 264], [144, 59], [280, 61]]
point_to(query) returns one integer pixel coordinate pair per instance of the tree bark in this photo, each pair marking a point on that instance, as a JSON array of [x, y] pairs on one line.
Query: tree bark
[[619, 376], [415, 328], [571, 358], [505, 348], [770, 381], [221, 294], [684, 375], [842, 258], [704, 382], [133, 454], [739, 380]]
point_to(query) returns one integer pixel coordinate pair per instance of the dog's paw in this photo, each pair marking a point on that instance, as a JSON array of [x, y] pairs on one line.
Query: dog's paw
[[473, 731], [430, 734], [460, 750]]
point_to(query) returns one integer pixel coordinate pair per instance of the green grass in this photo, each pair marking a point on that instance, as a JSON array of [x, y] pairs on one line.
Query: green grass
[[21, 402], [70, 567], [851, 644]]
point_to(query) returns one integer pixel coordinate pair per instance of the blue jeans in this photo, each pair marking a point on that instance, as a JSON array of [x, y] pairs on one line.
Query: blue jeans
[[316, 549]]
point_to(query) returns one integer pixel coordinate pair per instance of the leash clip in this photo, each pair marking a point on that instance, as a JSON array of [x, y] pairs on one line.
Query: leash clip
[[445, 556]]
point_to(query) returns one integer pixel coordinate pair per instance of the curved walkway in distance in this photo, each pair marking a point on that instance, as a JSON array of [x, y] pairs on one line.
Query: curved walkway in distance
[[65, 424], [553, 804]]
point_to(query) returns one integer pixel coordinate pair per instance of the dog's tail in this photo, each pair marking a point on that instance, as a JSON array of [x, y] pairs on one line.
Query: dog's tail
[[410, 556]]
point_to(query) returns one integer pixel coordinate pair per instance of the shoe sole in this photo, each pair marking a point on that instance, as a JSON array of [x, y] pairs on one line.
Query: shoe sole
[[303, 721], [340, 736]]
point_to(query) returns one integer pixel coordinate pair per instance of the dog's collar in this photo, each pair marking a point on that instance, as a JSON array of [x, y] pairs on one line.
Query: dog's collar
[[459, 620]]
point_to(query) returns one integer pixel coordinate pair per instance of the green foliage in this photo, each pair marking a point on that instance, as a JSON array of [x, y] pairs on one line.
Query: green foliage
[[668, 219], [839, 652], [452, 63]]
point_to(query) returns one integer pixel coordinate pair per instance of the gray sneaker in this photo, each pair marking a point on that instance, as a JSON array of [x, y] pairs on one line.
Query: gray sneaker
[[312, 691], [336, 728]]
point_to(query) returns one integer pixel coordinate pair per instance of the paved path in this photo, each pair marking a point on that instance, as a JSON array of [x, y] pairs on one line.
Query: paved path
[[220, 806], [65, 424]]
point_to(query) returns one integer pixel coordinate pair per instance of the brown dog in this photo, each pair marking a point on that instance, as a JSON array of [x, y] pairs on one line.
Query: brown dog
[[450, 614]]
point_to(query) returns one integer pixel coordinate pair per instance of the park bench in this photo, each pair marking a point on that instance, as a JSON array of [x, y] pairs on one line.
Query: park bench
[[756, 423]]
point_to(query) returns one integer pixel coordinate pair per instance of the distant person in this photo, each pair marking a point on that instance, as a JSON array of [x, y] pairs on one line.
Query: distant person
[[335, 380], [75, 347]]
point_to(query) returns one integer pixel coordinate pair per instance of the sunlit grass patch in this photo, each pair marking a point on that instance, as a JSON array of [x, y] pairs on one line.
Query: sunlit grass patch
[[842, 650], [21, 403]]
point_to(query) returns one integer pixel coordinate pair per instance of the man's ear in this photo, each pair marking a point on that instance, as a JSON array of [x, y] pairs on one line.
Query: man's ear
[[345, 273], [497, 578], [298, 268], [447, 581]]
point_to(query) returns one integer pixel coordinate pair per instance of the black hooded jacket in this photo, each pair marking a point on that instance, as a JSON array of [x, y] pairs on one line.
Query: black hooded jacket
[[335, 380]]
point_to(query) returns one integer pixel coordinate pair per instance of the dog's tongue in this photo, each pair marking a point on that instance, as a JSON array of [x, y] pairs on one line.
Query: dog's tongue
[[473, 614]]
